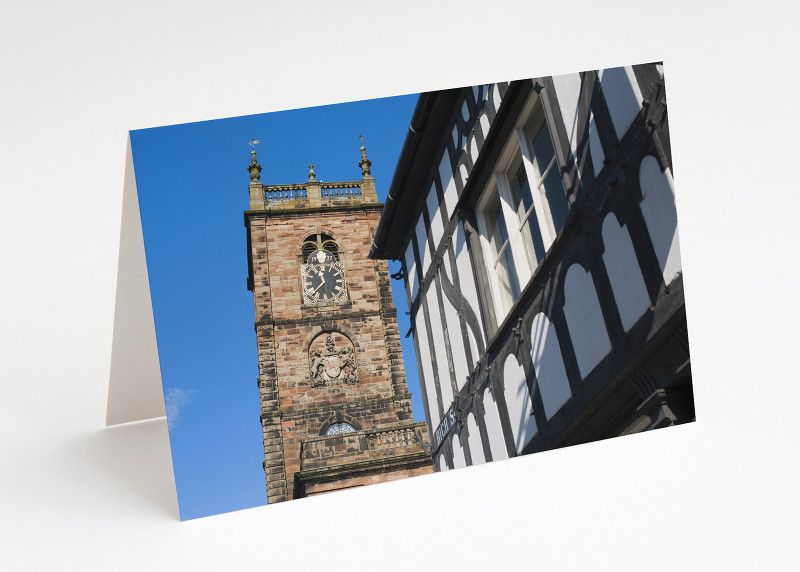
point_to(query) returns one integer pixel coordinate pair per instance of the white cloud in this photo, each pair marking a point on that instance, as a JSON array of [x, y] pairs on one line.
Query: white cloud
[[175, 398]]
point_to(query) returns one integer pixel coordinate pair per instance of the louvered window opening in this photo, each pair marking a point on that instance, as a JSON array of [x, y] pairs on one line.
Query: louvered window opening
[[319, 242]]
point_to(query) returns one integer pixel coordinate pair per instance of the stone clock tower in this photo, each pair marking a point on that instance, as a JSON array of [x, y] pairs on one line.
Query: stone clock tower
[[335, 408]]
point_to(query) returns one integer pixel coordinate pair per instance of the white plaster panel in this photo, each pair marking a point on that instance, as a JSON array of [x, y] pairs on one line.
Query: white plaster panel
[[548, 364], [623, 97], [473, 148], [630, 292], [422, 245], [473, 347], [448, 184], [484, 123], [568, 89], [658, 209], [456, 139], [459, 460], [585, 322], [466, 277], [439, 348], [445, 265], [475, 443], [437, 229], [411, 268], [464, 174], [496, 97], [424, 348], [456, 342], [494, 429], [518, 403], [595, 147]]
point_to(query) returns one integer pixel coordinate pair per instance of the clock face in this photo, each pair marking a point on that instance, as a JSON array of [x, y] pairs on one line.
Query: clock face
[[323, 278]]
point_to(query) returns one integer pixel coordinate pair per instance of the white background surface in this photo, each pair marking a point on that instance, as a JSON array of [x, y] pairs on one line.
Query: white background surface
[[717, 494]]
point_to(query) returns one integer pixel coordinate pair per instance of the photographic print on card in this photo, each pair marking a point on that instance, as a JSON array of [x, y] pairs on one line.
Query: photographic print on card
[[356, 293]]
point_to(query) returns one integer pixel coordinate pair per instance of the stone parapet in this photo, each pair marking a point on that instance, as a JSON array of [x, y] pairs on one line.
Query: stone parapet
[[312, 194], [360, 446]]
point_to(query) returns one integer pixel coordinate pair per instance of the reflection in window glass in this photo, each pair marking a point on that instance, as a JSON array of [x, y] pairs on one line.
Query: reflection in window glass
[[523, 204], [544, 161]]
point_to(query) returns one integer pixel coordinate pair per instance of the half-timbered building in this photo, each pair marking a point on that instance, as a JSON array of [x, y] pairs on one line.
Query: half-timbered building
[[536, 226]]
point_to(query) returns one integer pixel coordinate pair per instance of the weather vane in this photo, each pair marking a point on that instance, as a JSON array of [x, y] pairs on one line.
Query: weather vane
[[362, 139], [253, 143]]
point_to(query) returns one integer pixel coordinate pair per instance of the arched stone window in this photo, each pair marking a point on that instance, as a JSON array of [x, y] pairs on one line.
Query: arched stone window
[[339, 427], [339, 423], [319, 241]]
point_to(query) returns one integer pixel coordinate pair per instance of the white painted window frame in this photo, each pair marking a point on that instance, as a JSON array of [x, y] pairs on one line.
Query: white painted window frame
[[489, 256], [517, 145], [540, 203]]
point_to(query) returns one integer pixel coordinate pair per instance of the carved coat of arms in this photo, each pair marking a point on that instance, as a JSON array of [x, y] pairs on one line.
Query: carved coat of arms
[[336, 362]]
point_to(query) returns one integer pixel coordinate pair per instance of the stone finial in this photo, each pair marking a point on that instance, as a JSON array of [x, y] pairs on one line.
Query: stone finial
[[312, 176], [254, 167], [365, 163]]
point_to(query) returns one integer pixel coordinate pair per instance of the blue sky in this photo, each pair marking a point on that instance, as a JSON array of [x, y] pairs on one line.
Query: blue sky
[[192, 183]]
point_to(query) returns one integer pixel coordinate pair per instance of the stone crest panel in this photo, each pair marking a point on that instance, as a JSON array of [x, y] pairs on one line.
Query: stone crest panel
[[332, 360]]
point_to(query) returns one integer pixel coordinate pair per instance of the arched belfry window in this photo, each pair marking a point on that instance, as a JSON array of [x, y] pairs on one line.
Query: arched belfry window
[[319, 241]]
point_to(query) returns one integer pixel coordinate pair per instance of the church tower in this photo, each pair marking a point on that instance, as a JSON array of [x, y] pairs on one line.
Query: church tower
[[335, 407]]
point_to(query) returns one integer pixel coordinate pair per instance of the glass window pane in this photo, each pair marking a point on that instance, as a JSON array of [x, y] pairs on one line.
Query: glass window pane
[[554, 191], [507, 272], [533, 127], [543, 149], [498, 232], [520, 189], [501, 266], [543, 155], [491, 220], [506, 281], [523, 200], [501, 226], [339, 428], [533, 237]]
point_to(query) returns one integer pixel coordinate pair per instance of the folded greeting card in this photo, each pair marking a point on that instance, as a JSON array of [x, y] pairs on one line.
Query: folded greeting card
[[362, 292]]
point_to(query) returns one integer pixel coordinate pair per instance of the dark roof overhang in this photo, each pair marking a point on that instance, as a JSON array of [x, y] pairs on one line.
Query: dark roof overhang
[[432, 115]]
